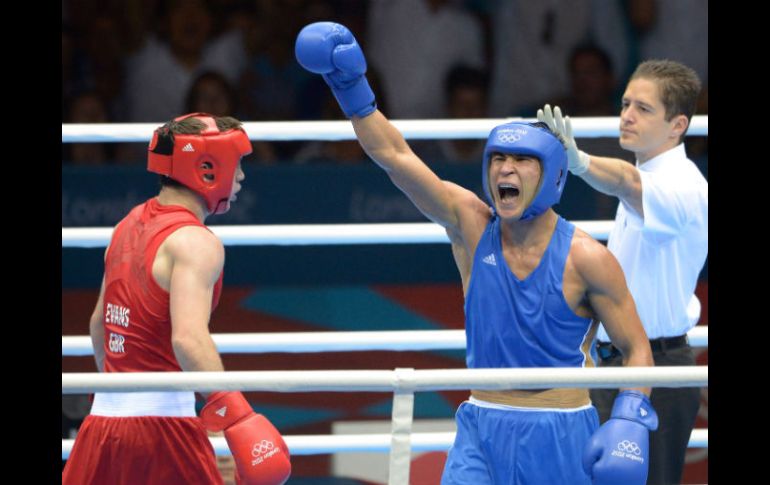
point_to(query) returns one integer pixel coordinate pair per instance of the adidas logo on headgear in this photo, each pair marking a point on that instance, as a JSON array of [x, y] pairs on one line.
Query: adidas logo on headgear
[[188, 148]]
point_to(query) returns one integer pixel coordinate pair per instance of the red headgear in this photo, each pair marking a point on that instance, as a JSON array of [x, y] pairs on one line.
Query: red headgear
[[204, 162]]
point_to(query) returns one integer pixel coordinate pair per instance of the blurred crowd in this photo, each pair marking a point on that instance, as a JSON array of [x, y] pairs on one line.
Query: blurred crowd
[[150, 60]]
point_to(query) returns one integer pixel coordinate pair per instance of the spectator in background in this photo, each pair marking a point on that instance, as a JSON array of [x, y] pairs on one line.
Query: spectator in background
[[87, 107], [466, 97], [592, 83], [67, 67], [212, 93], [414, 44], [592, 87], [104, 69], [97, 39], [677, 31], [272, 86], [533, 42], [343, 152], [271, 82], [139, 20], [160, 74], [93, 61]]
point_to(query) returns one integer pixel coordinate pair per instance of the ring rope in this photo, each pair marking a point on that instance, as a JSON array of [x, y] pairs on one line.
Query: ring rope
[[372, 443], [583, 127], [313, 234], [386, 380], [303, 342]]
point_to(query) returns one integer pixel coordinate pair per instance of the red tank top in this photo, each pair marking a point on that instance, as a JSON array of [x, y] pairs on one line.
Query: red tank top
[[137, 321]]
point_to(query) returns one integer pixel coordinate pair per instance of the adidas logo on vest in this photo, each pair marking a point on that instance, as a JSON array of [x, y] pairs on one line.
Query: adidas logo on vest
[[490, 259]]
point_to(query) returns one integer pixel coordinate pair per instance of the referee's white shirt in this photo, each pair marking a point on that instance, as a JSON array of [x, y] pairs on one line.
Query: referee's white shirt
[[663, 253]]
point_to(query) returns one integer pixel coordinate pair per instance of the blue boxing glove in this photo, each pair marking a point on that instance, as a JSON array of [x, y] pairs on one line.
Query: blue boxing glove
[[331, 50], [618, 451]]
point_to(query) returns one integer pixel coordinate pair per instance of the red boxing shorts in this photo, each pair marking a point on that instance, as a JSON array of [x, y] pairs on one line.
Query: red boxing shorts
[[148, 450]]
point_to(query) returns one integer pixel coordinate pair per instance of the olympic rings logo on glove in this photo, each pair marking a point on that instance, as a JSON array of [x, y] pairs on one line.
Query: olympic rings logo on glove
[[262, 447], [629, 447]]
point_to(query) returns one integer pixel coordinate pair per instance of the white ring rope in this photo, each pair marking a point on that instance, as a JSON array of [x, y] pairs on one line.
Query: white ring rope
[[583, 127], [302, 445], [302, 342], [386, 380], [315, 234]]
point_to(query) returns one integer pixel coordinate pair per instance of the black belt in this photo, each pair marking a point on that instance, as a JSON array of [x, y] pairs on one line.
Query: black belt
[[606, 350]]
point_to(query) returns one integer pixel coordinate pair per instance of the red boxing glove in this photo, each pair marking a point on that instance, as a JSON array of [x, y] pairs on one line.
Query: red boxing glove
[[261, 456]]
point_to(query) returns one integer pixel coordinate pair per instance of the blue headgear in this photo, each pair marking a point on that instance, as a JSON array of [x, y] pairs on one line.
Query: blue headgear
[[528, 139]]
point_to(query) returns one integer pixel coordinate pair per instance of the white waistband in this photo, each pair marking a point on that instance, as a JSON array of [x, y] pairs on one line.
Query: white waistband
[[504, 407], [126, 404]]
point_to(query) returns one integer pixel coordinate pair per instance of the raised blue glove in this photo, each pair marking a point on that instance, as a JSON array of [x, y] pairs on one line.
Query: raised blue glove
[[330, 49], [618, 451]]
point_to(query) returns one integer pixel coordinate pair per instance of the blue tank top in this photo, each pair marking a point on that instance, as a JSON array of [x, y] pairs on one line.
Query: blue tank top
[[522, 323]]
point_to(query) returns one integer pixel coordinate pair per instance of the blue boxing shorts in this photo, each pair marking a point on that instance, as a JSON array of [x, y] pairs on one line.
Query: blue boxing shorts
[[498, 444]]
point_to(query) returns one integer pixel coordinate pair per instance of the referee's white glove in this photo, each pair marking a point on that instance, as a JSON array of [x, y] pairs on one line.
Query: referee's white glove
[[578, 160]]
